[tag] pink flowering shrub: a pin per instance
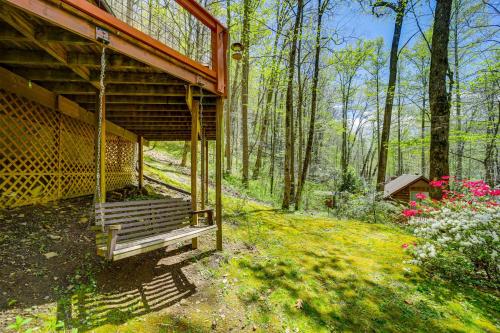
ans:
(458, 236)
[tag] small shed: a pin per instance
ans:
(405, 187)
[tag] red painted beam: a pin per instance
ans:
(108, 19)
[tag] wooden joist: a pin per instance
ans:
(63, 75)
(169, 137)
(152, 122)
(47, 34)
(118, 118)
(77, 88)
(9, 34)
(137, 78)
(50, 34)
(25, 27)
(157, 114)
(57, 75)
(115, 61)
(130, 99)
(22, 57)
(141, 107)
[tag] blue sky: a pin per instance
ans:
(353, 21)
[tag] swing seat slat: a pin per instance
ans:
(133, 227)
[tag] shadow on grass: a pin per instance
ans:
(128, 289)
(250, 212)
(336, 297)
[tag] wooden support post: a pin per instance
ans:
(140, 141)
(101, 162)
(202, 174)
(218, 171)
(194, 155)
(206, 171)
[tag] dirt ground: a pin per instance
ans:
(48, 261)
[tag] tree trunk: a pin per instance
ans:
(400, 106)
(343, 156)
(393, 68)
(274, 137)
(438, 96)
(289, 109)
(491, 147)
(300, 128)
(314, 97)
(423, 169)
(234, 106)
(244, 90)
(377, 88)
(458, 96)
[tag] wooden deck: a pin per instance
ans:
(150, 87)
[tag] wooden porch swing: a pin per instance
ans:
(129, 228)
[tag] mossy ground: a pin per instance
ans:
(317, 274)
(284, 272)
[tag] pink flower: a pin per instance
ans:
(420, 196)
(436, 183)
(410, 212)
(495, 192)
(445, 177)
(404, 246)
(413, 203)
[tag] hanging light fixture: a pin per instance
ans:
(237, 49)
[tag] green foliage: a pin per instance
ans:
(350, 182)
(19, 324)
(369, 207)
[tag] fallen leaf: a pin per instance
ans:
(49, 255)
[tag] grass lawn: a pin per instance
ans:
(317, 274)
(279, 272)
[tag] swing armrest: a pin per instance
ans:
(112, 234)
(209, 212)
(112, 237)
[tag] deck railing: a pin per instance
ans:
(169, 23)
(190, 33)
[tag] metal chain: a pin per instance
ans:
(98, 195)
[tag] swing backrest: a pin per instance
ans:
(142, 219)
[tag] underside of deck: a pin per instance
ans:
(150, 88)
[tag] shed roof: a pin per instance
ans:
(401, 182)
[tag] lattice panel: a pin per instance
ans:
(45, 155)
(120, 162)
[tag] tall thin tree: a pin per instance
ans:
(322, 5)
(244, 89)
(289, 108)
(399, 10)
